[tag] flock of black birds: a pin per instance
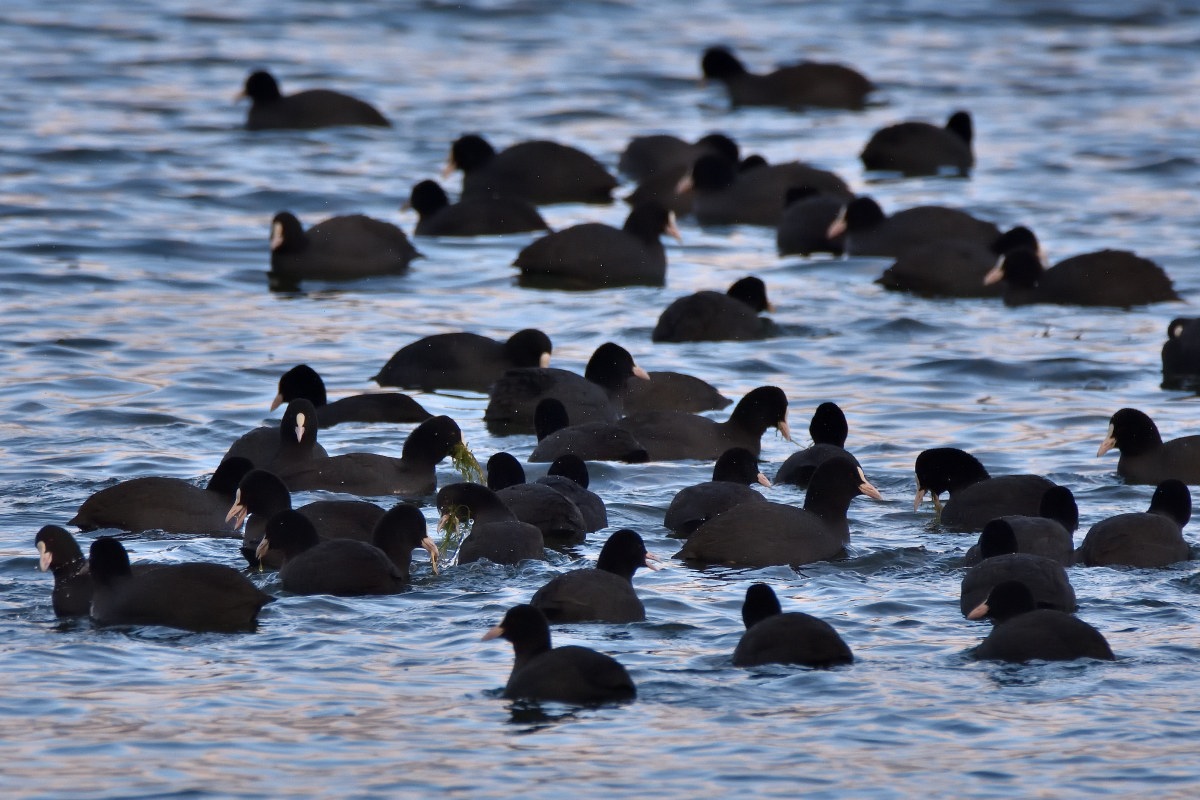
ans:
(618, 412)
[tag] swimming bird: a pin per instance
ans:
(919, 148)
(463, 360)
(312, 108)
(591, 397)
(868, 231)
(1044, 577)
(591, 441)
(1023, 632)
(262, 494)
(194, 596)
(411, 475)
(1115, 278)
(646, 157)
(336, 249)
(166, 504)
(479, 215)
(1181, 354)
(797, 86)
(954, 267)
(291, 443)
(572, 674)
(603, 593)
(773, 637)
(540, 172)
(1145, 457)
(568, 475)
(593, 255)
(674, 435)
(768, 534)
(725, 194)
(1048, 534)
(975, 496)
(1153, 538)
(659, 174)
(496, 533)
(828, 429)
(340, 567)
(803, 227)
(671, 391)
(399, 532)
(304, 381)
(709, 316)
(59, 553)
(550, 511)
(732, 475)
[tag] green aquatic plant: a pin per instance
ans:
(453, 527)
(465, 462)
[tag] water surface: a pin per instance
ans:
(139, 338)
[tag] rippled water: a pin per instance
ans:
(139, 338)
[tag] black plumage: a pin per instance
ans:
(194, 596)
(571, 674)
(775, 637)
(603, 593)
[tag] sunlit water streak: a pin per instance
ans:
(139, 338)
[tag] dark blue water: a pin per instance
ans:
(138, 337)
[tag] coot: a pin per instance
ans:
(674, 435)
(593, 255)
(548, 510)
(571, 674)
(1048, 534)
(591, 441)
(870, 232)
(411, 475)
(768, 534)
(1153, 538)
(464, 360)
(262, 494)
(591, 397)
(59, 553)
(671, 391)
(732, 475)
(1145, 457)
(480, 215)
(290, 443)
(803, 227)
(336, 249)
(828, 429)
(603, 593)
(709, 316)
(312, 108)
(953, 267)
(341, 567)
(797, 86)
(173, 505)
(975, 496)
(1044, 577)
(193, 596)
(496, 534)
(919, 148)
(539, 172)
(773, 637)
(1181, 354)
(724, 194)
(304, 381)
(1024, 632)
(1116, 278)
(569, 476)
